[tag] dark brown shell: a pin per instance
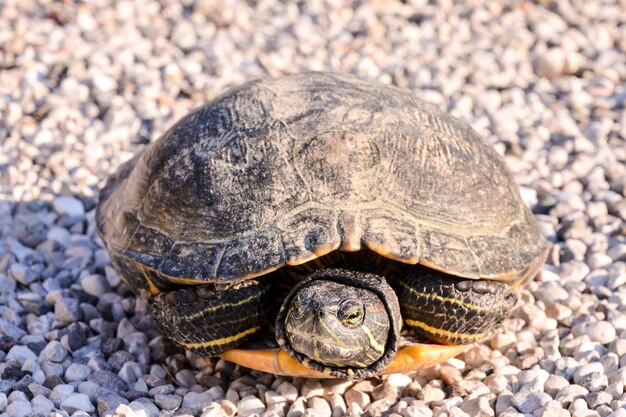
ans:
(285, 170)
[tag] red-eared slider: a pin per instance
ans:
(298, 225)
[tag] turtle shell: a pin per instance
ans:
(282, 171)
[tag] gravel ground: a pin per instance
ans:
(84, 85)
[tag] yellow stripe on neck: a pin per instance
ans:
(380, 348)
(441, 332)
(220, 306)
(444, 299)
(218, 342)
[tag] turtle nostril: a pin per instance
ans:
(317, 308)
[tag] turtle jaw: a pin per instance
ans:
(316, 329)
(334, 354)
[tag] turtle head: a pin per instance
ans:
(337, 325)
(341, 322)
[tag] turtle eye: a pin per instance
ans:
(351, 312)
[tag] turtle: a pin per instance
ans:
(321, 225)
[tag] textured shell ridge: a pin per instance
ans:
(281, 171)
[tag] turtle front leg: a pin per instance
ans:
(445, 309)
(211, 319)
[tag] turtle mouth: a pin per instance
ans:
(305, 343)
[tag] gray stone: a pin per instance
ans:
(11, 331)
(89, 388)
(162, 390)
(477, 407)
(20, 354)
(554, 384)
(7, 286)
(144, 407)
(615, 390)
(595, 382)
(600, 331)
(229, 408)
(496, 383)
(60, 393)
(67, 310)
(214, 410)
(272, 397)
(77, 372)
(68, 206)
(250, 405)
(108, 402)
(529, 401)
(59, 235)
(596, 399)
(168, 402)
(431, 393)
(297, 408)
(320, 406)
(95, 285)
(19, 409)
(130, 372)
(386, 391)
(569, 393)
(23, 274)
(353, 396)
(553, 412)
(311, 389)
(77, 401)
(197, 400)
(37, 389)
(217, 392)
(595, 368)
(185, 377)
(41, 405)
(423, 411)
(399, 380)
(108, 380)
(141, 385)
(17, 396)
(288, 391)
(337, 404)
(551, 63)
(53, 352)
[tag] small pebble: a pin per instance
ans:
(75, 402)
(359, 398)
(53, 352)
(77, 372)
(250, 405)
(600, 331)
(312, 389)
(20, 354)
(528, 402)
(67, 310)
(168, 402)
(477, 407)
(319, 406)
(19, 409)
(197, 400)
(288, 391)
(68, 206)
(42, 405)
